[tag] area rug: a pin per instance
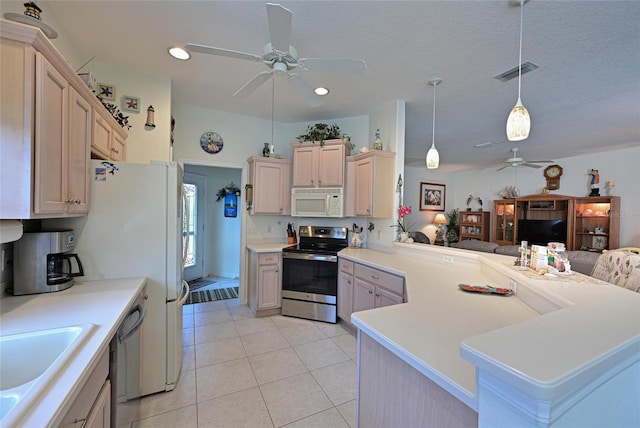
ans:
(200, 282)
(211, 295)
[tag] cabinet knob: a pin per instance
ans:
(320, 182)
(377, 295)
(374, 277)
(312, 182)
(370, 292)
(78, 201)
(114, 150)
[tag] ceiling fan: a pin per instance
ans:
(282, 59)
(515, 161)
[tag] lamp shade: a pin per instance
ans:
(518, 123)
(433, 158)
(440, 219)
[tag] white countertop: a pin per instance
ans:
(575, 322)
(102, 303)
(269, 247)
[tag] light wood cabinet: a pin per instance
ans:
(375, 288)
(475, 225)
(46, 128)
(92, 405)
(504, 223)
(265, 284)
(345, 289)
(597, 223)
(373, 184)
(108, 143)
(315, 166)
(270, 179)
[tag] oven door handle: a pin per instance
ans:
(311, 257)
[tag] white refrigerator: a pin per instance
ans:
(134, 229)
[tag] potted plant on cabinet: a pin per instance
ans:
(321, 132)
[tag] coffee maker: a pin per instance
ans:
(42, 262)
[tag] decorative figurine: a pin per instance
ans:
(594, 180)
(150, 119)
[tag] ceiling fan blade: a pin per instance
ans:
(530, 165)
(279, 27)
(502, 167)
(253, 84)
(333, 65)
(222, 52)
(541, 161)
(305, 89)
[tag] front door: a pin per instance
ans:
(193, 225)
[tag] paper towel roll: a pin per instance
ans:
(10, 230)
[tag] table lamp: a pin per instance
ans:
(440, 219)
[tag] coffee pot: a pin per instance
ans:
(43, 262)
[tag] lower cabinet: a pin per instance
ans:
(265, 284)
(345, 289)
(362, 287)
(92, 406)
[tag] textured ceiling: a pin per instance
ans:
(584, 98)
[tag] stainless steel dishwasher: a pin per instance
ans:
(124, 364)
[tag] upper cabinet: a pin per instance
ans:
(372, 187)
(46, 128)
(108, 143)
(270, 181)
(315, 166)
(597, 223)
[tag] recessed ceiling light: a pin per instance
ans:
(321, 91)
(179, 53)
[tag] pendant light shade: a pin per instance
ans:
(519, 121)
(433, 157)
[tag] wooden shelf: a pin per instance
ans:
(474, 225)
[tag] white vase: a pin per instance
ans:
(404, 236)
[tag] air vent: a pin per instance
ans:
(513, 73)
(485, 145)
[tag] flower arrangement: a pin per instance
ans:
(401, 226)
(227, 190)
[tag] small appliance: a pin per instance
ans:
(317, 202)
(42, 262)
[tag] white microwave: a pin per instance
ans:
(313, 202)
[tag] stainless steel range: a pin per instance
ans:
(310, 273)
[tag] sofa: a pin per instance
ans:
(581, 261)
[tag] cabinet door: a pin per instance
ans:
(101, 136)
(100, 414)
(331, 166)
(78, 153)
(363, 295)
(386, 298)
(364, 187)
(345, 296)
(51, 127)
(268, 188)
(118, 148)
(268, 287)
(305, 166)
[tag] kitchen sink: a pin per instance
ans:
(31, 362)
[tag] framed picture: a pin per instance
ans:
(432, 196)
(131, 104)
(106, 91)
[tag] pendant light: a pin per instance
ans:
(519, 122)
(433, 158)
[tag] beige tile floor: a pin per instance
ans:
(240, 371)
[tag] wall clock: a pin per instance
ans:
(211, 142)
(553, 173)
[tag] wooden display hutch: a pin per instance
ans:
(507, 212)
(597, 223)
(475, 225)
(593, 222)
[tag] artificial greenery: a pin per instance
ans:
(321, 132)
(453, 227)
(229, 189)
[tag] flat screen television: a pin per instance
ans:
(541, 232)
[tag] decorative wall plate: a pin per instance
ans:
(211, 142)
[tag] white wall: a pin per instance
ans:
(221, 234)
(622, 167)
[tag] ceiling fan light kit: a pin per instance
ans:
(519, 121)
(433, 157)
(282, 58)
(179, 53)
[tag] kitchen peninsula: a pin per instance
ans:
(559, 351)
